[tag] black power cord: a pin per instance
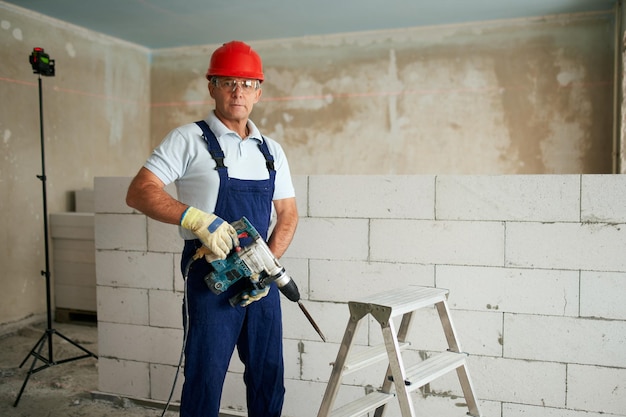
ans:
(185, 327)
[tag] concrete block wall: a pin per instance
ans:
(535, 266)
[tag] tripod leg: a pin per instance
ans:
(36, 356)
(38, 346)
(75, 344)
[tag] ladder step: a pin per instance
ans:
(432, 368)
(369, 356)
(363, 405)
(404, 300)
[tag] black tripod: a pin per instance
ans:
(43, 65)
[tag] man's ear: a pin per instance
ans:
(258, 95)
(211, 87)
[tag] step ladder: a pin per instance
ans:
(384, 307)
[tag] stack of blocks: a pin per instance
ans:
(535, 266)
(73, 254)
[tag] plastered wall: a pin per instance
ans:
(534, 265)
(96, 122)
(513, 97)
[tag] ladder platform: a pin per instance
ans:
(402, 300)
(432, 368)
(369, 356)
(363, 405)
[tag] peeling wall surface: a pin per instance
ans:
(96, 122)
(534, 265)
(512, 97)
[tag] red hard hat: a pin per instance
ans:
(235, 59)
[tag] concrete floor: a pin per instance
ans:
(66, 389)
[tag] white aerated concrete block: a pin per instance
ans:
(135, 269)
(522, 410)
(177, 274)
(342, 281)
(162, 379)
(84, 200)
(603, 198)
(236, 365)
(298, 270)
(438, 242)
(123, 377)
(301, 187)
(296, 325)
(75, 226)
(121, 232)
(511, 290)
(139, 343)
(73, 258)
(75, 266)
(479, 333)
(75, 297)
(115, 341)
(234, 394)
(324, 238)
(303, 398)
(522, 197)
(163, 237)
(602, 295)
(446, 405)
(558, 339)
(517, 381)
(166, 309)
(74, 251)
(367, 196)
(596, 389)
(597, 247)
(308, 359)
(110, 195)
(123, 305)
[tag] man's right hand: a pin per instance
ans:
(216, 234)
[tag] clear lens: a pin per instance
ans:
(229, 84)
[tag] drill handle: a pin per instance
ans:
(235, 300)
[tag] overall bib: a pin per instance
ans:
(215, 327)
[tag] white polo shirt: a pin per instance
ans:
(183, 157)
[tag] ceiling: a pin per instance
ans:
(157, 24)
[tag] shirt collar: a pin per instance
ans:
(220, 129)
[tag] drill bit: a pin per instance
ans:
(308, 316)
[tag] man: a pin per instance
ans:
(224, 169)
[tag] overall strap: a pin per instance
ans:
(213, 145)
(269, 159)
(218, 155)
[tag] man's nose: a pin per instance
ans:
(237, 85)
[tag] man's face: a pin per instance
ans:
(234, 97)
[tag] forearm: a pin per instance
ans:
(146, 194)
(285, 228)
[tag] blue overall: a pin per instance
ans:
(215, 327)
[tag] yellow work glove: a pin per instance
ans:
(214, 233)
(255, 294)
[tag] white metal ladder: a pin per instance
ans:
(384, 307)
